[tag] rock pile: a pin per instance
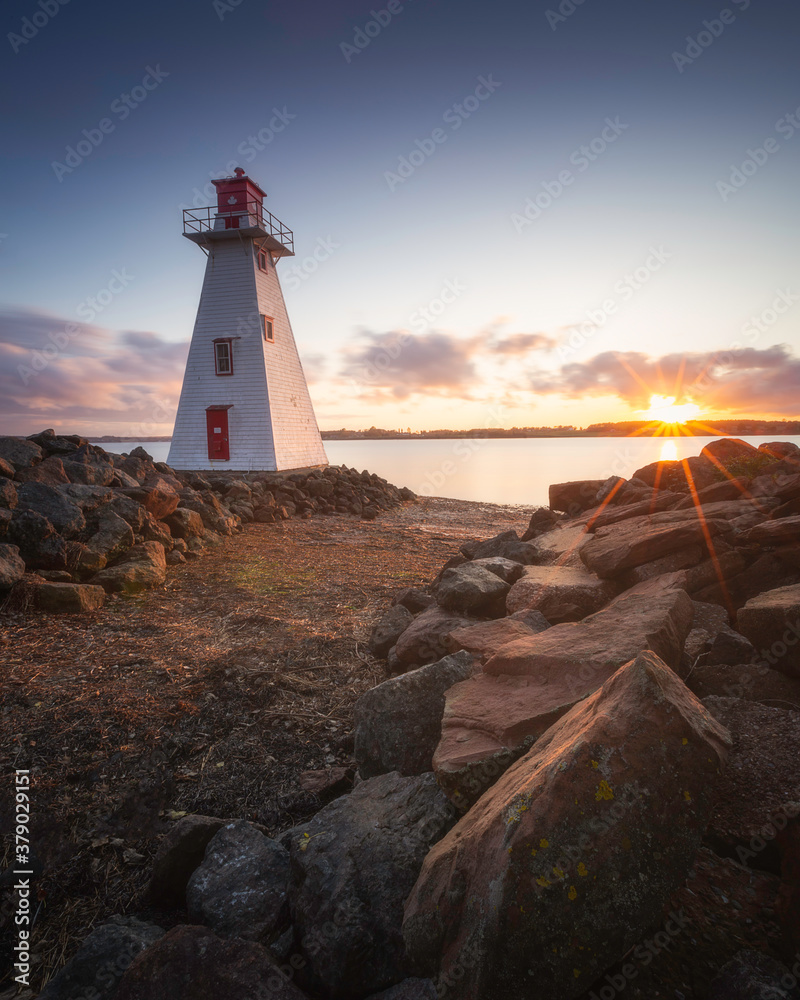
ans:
(77, 522)
(545, 808)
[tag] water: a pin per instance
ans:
(505, 471)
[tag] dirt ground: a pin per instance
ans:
(210, 695)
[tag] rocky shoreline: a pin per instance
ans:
(579, 779)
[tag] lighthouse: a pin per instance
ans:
(244, 404)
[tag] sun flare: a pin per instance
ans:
(663, 408)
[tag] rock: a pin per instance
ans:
(353, 866)
(685, 558)
(728, 489)
(652, 503)
(560, 593)
(240, 888)
(185, 523)
(673, 475)
(754, 976)
(771, 622)
(40, 546)
(727, 450)
(142, 567)
(156, 531)
(96, 969)
(88, 473)
(49, 501)
(541, 882)
(649, 616)
(762, 780)
(60, 597)
(389, 629)
(574, 498)
(326, 783)
(425, 640)
(542, 519)
(471, 589)
(19, 452)
(560, 546)
(506, 569)
(507, 545)
(751, 681)
(780, 449)
(398, 723)
(409, 989)
(140, 453)
(414, 599)
(783, 531)
(622, 546)
(111, 538)
(8, 494)
(487, 638)
(728, 646)
(12, 566)
(190, 963)
(50, 471)
(55, 444)
(155, 496)
(181, 851)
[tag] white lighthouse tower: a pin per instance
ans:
(244, 403)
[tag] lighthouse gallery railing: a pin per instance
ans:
(252, 215)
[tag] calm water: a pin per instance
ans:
(508, 471)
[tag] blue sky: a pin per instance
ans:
(574, 235)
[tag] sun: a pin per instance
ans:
(663, 408)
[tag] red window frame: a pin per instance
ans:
(217, 344)
(268, 329)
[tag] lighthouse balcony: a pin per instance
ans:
(252, 220)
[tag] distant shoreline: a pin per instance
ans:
(718, 428)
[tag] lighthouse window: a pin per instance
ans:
(267, 329)
(262, 260)
(223, 357)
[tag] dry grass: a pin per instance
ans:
(209, 695)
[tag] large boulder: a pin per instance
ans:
(783, 531)
(50, 471)
(190, 963)
(729, 451)
(771, 621)
(241, 887)
(561, 546)
(398, 723)
(506, 545)
(560, 593)
(471, 589)
(425, 639)
(69, 597)
(39, 544)
(552, 875)
(185, 523)
(112, 536)
(156, 496)
(49, 501)
(653, 615)
(487, 638)
(751, 681)
(575, 498)
(8, 493)
(19, 452)
(12, 566)
(680, 476)
(353, 866)
(99, 964)
(142, 567)
(619, 547)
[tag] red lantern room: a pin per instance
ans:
(238, 196)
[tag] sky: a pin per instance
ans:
(509, 214)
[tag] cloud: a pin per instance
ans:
(741, 380)
(522, 343)
(54, 372)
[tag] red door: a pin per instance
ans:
(217, 424)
